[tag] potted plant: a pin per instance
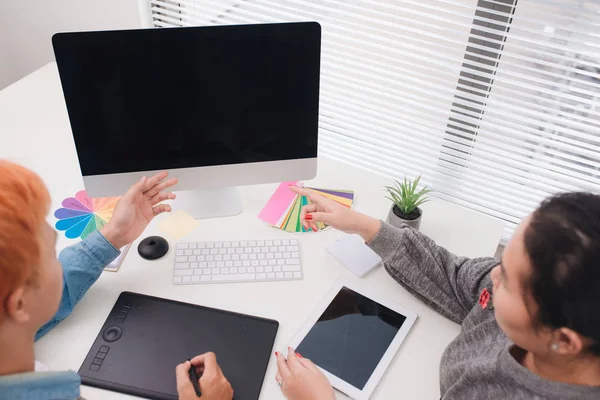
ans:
(406, 201)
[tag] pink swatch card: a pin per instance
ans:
(278, 203)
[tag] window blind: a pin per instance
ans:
(496, 103)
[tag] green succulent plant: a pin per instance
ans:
(405, 195)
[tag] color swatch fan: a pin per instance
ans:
(81, 215)
(284, 207)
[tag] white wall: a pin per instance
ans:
(27, 26)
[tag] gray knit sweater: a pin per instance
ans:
(477, 364)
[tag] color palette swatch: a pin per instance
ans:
(284, 207)
(81, 215)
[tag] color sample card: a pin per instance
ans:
(284, 207)
(81, 215)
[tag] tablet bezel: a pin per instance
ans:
(386, 359)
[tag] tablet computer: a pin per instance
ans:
(145, 337)
(352, 336)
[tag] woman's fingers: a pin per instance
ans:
(282, 367)
(154, 179)
(161, 208)
(310, 208)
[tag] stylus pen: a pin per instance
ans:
(194, 379)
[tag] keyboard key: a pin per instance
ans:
(289, 275)
(235, 244)
(215, 271)
(197, 252)
(281, 261)
(285, 242)
(226, 257)
(270, 275)
(254, 263)
(218, 257)
(250, 270)
(290, 268)
(188, 252)
(293, 242)
(246, 263)
(205, 252)
(224, 271)
(193, 245)
(260, 243)
(243, 256)
(278, 275)
(206, 271)
(292, 261)
(182, 272)
(179, 253)
(269, 243)
(233, 270)
(229, 263)
(187, 279)
(201, 258)
(230, 251)
(252, 243)
(192, 258)
(238, 277)
(263, 262)
(248, 250)
(261, 256)
(287, 254)
(210, 245)
(198, 271)
(227, 244)
(219, 245)
(277, 268)
(195, 279)
(235, 257)
(270, 256)
(278, 256)
(205, 278)
(281, 249)
(298, 275)
(214, 251)
(295, 254)
(242, 270)
(264, 250)
(244, 244)
(202, 265)
(182, 245)
(292, 248)
(210, 258)
(260, 269)
(261, 276)
(177, 279)
(273, 249)
(220, 264)
(181, 259)
(277, 242)
(256, 250)
(252, 256)
(222, 251)
(268, 269)
(239, 250)
(272, 262)
(201, 245)
(182, 265)
(237, 263)
(212, 264)
(194, 265)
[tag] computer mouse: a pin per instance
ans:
(153, 247)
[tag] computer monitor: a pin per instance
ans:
(218, 107)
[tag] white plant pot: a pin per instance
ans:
(397, 221)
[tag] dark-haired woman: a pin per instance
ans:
(530, 323)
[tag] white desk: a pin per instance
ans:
(35, 131)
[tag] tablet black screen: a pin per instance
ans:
(351, 336)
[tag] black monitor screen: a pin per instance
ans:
(351, 337)
(158, 99)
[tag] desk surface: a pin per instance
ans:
(35, 131)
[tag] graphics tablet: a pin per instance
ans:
(144, 338)
(352, 336)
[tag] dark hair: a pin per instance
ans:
(563, 244)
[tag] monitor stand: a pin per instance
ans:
(209, 203)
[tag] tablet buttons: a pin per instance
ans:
(99, 359)
(112, 334)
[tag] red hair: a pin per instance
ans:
(24, 203)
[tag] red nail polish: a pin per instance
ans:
(308, 217)
(298, 354)
(276, 353)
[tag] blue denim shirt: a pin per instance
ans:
(82, 264)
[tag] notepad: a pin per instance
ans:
(178, 224)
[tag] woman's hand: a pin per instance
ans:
(213, 384)
(300, 379)
(336, 215)
(136, 209)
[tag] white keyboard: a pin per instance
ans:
(237, 261)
